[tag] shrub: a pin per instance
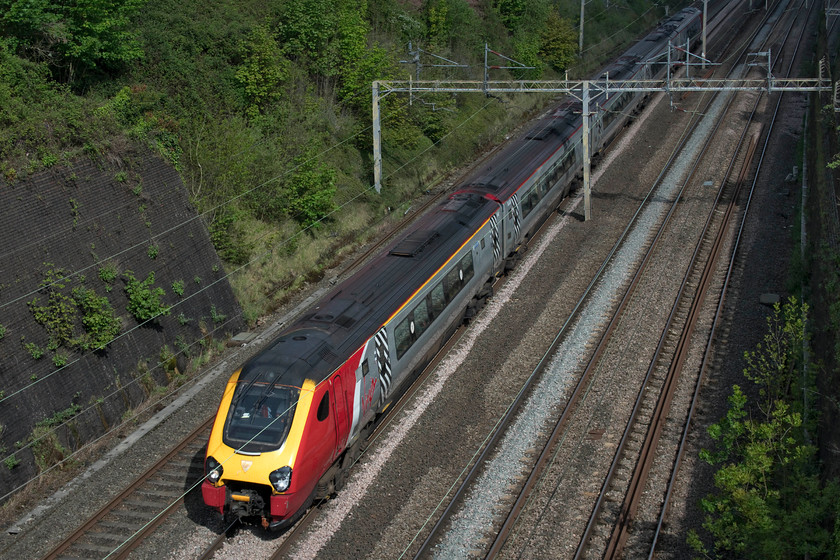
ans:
(178, 287)
(98, 317)
(57, 315)
(144, 300)
(108, 273)
(34, 350)
(60, 359)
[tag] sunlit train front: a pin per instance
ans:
(294, 417)
(275, 427)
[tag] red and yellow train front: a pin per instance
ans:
(268, 448)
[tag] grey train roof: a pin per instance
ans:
(314, 346)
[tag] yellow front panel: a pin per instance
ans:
(256, 468)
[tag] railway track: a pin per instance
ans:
(651, 408)
(120, 550)
(287, 542)
(121, 524)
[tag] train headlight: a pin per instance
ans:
(213, 469)
(281, 478)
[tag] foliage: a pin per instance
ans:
(60, 359)
(510, 12)
(57, 315)
(144, 300)
(776, 364)
(558, 42)
(73, 36)
(438, 25)
(100, 322)
(262, 71)
(108, 273)
(29, 98)
(216, 316)
(310, 193)
(138, 108)
(34, 350)
(46, 446)
(526, 51)
(226, 237)
(178, 288)
(769, 501)
(452, 26)
(308, 31)
(2, 331)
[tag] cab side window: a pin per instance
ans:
(324, 407)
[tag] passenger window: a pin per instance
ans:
(467, 268)
(365, 368)
(421, 318)
(452, 284)
(324, 407)
(402, 337)
(438, 300)
(526, 205)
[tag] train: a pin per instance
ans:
(294, 417)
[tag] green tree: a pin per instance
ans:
(558, 42)
(438, 25)
(262, 71)
(776, 363)
(526, 47)
(73, 36)
(510, 12)
(306, 31)
(310, 192)
(769, 500)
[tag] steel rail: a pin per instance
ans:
(639, 401)
(504, 422)
(718, 312)
(639, 479)
(619, 535)
(535, 474)
(135, 538)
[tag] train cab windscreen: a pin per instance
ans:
(260, 414)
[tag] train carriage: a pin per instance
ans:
(292, 419)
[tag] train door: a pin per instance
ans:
(342, 419)
(382, 355)
(496, 236)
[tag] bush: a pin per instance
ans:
(98, 317)
(144, 300)
(58, 314)
(74, 37)
(770, 502)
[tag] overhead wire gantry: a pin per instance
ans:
(588, 91)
